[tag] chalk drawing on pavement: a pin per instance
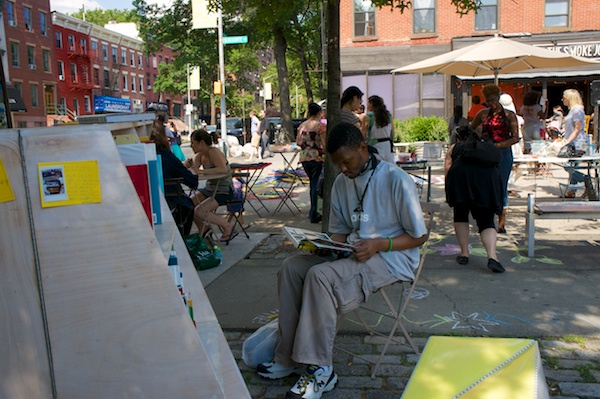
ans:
(267, 317)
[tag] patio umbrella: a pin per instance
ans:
(493, 56)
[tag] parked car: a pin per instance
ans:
(275, 124)
(235, 127)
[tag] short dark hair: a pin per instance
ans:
(350, 93)
(344, 135)
(476, 99)
(313, 109)
(161, 118)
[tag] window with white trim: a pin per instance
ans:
(43, 24)
(10, 13)
(58, 35)
(14, 54)
(27, 19)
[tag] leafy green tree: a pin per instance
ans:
(102, 17)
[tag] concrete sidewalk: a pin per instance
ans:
(553, 297)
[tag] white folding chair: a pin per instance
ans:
(393, 311)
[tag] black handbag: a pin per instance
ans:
(481, 151)
(569, 151)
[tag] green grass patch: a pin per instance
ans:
(575, 339)
(585, 372)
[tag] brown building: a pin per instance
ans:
(29, 59)
(375, 41)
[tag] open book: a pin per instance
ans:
(310, 240)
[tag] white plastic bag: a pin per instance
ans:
(260, 346)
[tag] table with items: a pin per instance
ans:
(255, 171)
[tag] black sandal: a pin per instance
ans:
(228, 238)
(462, 260)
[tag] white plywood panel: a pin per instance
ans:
(24, 364)
(209, 330)
(117, 324)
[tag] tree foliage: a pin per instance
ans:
(102, 17)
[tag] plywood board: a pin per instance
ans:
(117, 324)
(24, 368)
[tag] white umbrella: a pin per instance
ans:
(492, 56)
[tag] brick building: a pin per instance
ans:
(375, 41)
(29, 58)
(58, 67)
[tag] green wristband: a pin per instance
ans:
(390, 248)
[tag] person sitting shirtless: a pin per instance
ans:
(375, 207)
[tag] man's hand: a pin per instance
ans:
(366, 248)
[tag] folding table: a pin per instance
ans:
(288, 163)
(423, 165)
(255, 170)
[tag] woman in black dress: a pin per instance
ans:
(475, 188)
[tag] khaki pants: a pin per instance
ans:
(312, 294)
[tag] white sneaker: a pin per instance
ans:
(275, 371)
(313, 383)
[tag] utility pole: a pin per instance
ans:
(222, 78)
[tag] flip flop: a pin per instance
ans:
(228, 238)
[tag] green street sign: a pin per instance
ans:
(235, 39)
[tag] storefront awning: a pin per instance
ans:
(15, 101)
(111, 104)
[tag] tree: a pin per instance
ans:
(102, 17)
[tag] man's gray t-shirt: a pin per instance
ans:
(390, 208)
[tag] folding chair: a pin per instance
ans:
(235, 206)
(176, 197)
(396, 313)
(285, 190)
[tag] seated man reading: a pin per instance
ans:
(375, 207)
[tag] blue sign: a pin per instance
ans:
(111, 104)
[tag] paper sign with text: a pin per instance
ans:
(69, 183)
(6, 192)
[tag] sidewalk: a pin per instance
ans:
(553, 297)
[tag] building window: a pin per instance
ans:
(94, 48)
(71, 40)
(33, 89)
(31, 56)
(76, 106)
(557, 13)
(105, 52)
(116, 80)
(141, 81)
(133, 83)
(27, 18)
(364, 18)
(58, 39)
(73, 73)
(114, 55)
(124, 82)
(63, 104)
(486, 17)
(85, 74)
(140, 66)
(123, 56)
(132, 60)
(148, 87)
(83, 44)
(106, 79)
(14, 54)
(19, 87)
(424, 16)
(154, 63)
(97, 76)
(87, 104)
(10, 13)
(43, 25)
(46, 59)
(61, 70)
(147, 61)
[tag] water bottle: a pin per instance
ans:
(218, 253)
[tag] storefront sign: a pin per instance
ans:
(111, 104)
(584, 50)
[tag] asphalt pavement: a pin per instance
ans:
(553, 298)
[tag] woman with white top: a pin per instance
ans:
(382, 129)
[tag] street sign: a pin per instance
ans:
(235, 39)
